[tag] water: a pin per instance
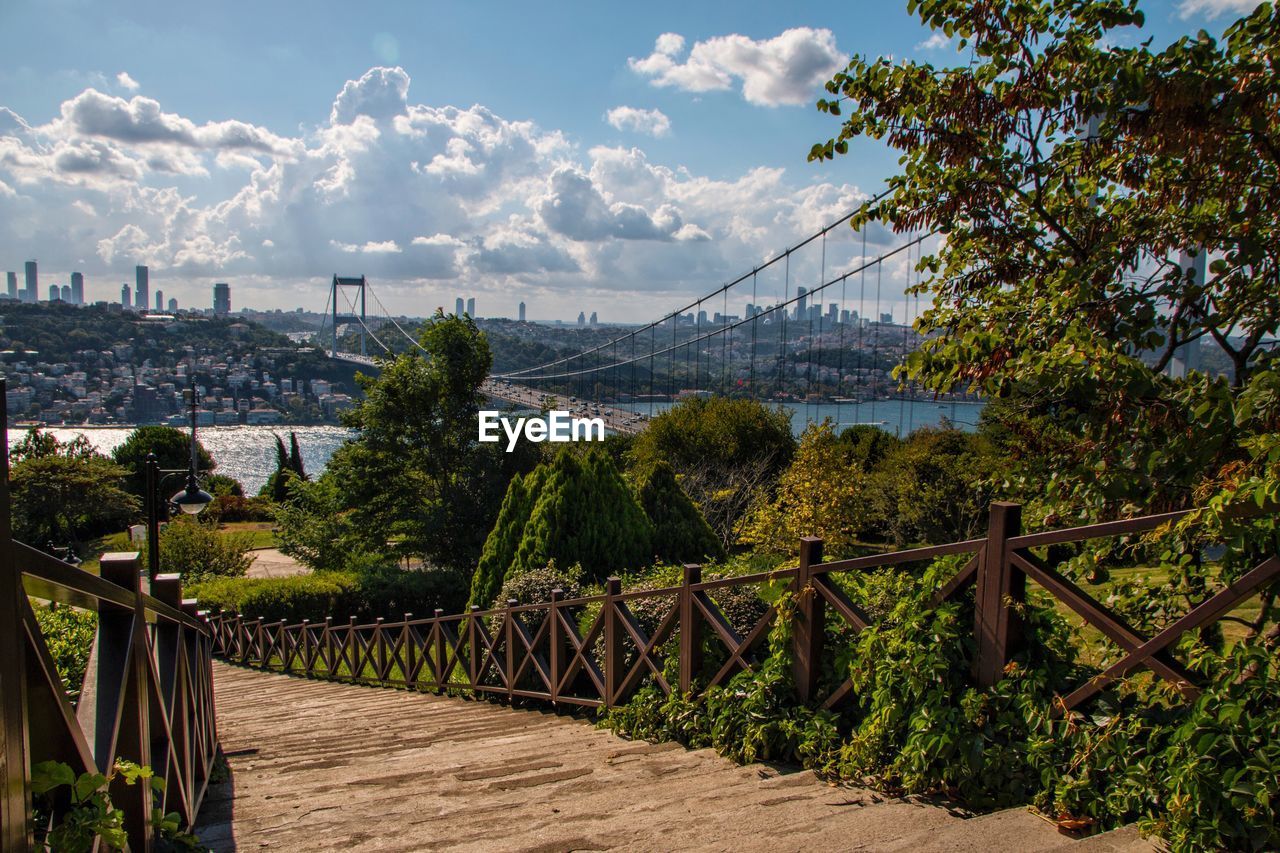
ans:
(900, 417)
(247, 453)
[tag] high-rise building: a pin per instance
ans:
(64, 293)
(33, 283)
(802, 313)
(13, 285)
(222, 298)
(521, 308)
(142, 292)
(471, 307)
(458, 307)
(582, 319)
(702, 318)
(594, 320)
(125, 301)
(159, 300)
(173, 305)
(77, 288)
(53, 293)
(886, 318)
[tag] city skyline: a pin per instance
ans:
(666, 157)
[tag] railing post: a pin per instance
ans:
(305, 637)
(326, 641)
(16, 825)
(509, 640)
(473, 647)
(690, 630)
(409, 651)
(996, 629)
(612, 641)
(356, 664)
(556, 640)
(808, 624)
(380, 650)
(121, 669)
(441, 650)
(261, 640)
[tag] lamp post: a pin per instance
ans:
(190, 500)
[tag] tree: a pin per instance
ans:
(822, 494)
(724, 453)
(1069, 172)
(199, 552)
(64, 498)
(172, 448)
(416, 476)
(680, 533)
(576, 509)
(288, 468)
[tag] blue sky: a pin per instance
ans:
(611, 157)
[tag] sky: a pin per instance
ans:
(606, 157)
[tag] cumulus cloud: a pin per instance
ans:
(126, 82)
(1213, 8)
(370, 248)
(652, 122)
(414, 195)
(381, 93)
(937, 41)
(786, 69)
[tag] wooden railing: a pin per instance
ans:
(537, 650)
(147, 695)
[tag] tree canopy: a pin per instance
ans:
(171, 446)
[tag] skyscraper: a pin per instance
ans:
(521, 308)
(159, 300)
(458, 308)
(125, 301)
(54, 296)
(582, 319)
(801, 312)
(594, 320)
(471, 307)
(173, 305)
(64, 293)
(222, 299)
(142, 293)
(13, 285)
(77, 288)
(33, 283)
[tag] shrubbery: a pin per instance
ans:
(388, 592)
(68, 634)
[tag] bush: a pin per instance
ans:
(228, 508)
(389, 592)
(69, 635)
(196, 551)
(680, 533)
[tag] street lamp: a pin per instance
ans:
(190, 500)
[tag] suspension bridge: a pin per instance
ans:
(819, 327)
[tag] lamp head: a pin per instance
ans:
(192, 499)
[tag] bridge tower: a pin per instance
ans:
(344, 284)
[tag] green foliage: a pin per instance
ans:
(576, 509)
(68, 635)
(680, 533)
(198, 551)
(223, 486)
(724, 452)
(172, 448)
(229, 508)
(387, 591)
(82, 816)
(416, 476)
(66, 492)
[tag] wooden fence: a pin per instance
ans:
(593, 651)
(147, 695)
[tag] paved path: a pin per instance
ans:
(270, 563)
(324, 766)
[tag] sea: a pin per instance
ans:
(248, 453)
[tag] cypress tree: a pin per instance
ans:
(680, 532)
(295, 456)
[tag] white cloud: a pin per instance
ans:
(370, 248)
(789, 68)
(415, 196)
(653, 122)
(1213, 8)
(937, 41)
(126, 82)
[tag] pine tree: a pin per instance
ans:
(295, 457)
(680, 533)
(575, 510)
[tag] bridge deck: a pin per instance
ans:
(325, 766)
